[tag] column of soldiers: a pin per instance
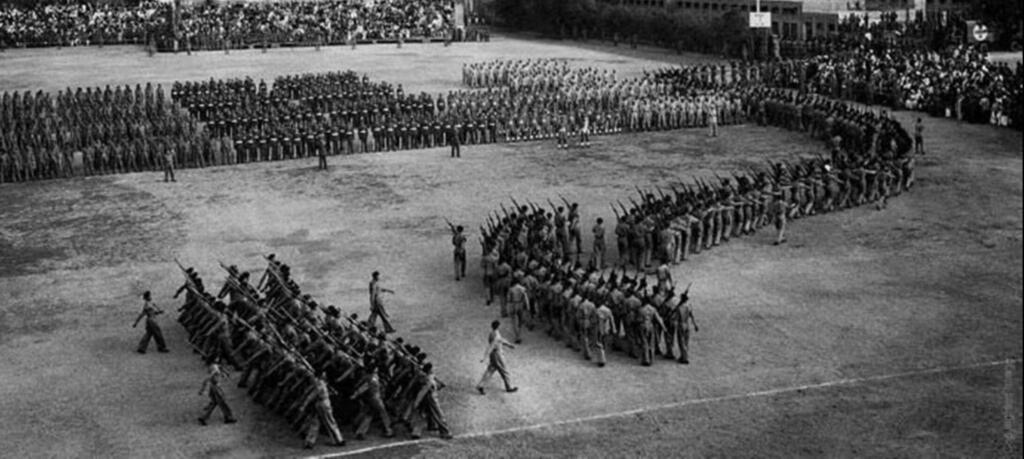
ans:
(122, 130)
(338, 112)
(550, 99)
(532, 264)
(343, 113)
(109, 130)
(529, 264)
(310, 363)
(869, 162)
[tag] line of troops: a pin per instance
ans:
(309, 363)
(608, 104)
(528, 264)
(106, 130)
(694, 217)
(528, 253)
(528, 75)
(339, 113)
(532, 74)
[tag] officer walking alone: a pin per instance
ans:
(496, 360)
(150, 311)
(377, 304)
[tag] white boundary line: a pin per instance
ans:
(1011, 423)
(698, 401)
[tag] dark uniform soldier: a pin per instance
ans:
(169, 164)
(455, 141)
(680, 318)
(459, 243)
(597, 257)
(321, 151)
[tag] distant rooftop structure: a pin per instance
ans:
(824, 6)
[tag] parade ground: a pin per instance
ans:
(891, 333)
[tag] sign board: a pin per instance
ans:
(979, 32)
(760, 20)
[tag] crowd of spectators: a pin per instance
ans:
(204, 25)
(956, 82)
(213, 26)
(887, 33)
(78, 24)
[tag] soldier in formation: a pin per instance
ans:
(309, 363)
(96, 131)
(588, 308)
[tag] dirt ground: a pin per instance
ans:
(934, 281)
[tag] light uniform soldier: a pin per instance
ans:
(211, 387)
(496, 360)
(650, 323)
(605, 331)
(712, 110)
(664, 277)
(518, 304)
(322, 416)
(377, 308)
(149, 311)
(373, 404)
(585, 318)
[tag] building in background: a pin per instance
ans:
(806, 19)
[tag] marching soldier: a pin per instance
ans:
(597, 257)
(429, 406)
(211, 387)
(518, 304)
(377, 304)
(373, 404)
(150, 311)
(496, 360)
(680, 319)
(459, 244)
(650, 323)
(605, 330)
(322, 416)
